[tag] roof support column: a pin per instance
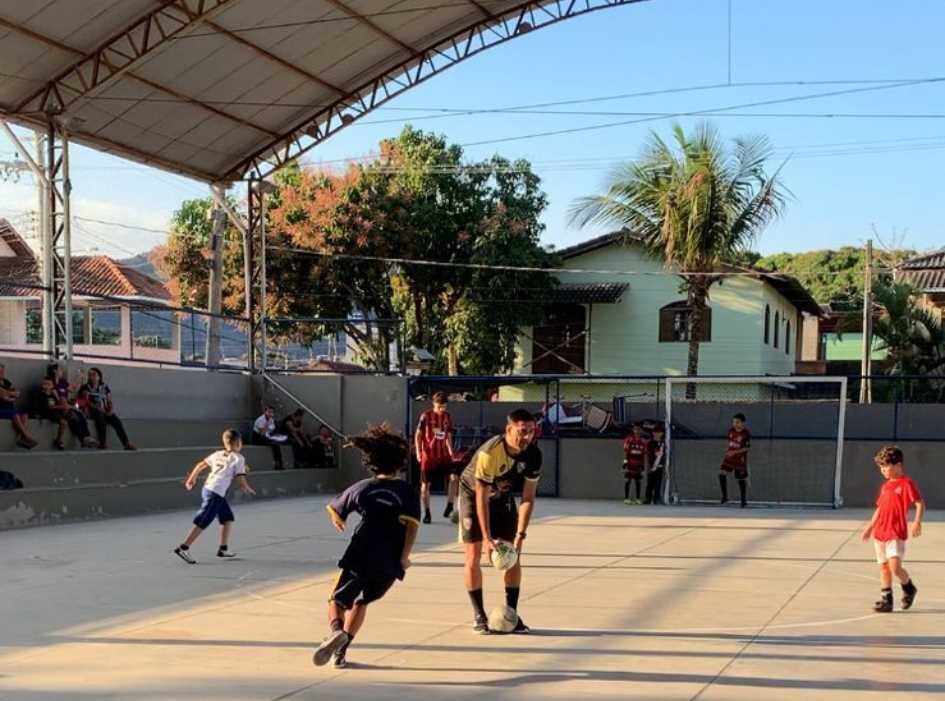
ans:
(212, 356)
(57, 239)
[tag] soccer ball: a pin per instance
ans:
(503, 619)
(504, 556)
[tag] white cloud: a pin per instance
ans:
(18, 204)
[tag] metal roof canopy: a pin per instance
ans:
(224, 90)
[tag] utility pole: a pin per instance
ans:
(215, 294)
(866, 366)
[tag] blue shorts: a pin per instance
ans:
(212, 507)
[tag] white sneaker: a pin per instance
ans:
(329, 646)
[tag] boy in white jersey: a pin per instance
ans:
(225, 466)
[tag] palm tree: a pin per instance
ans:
(693, 203)
(912, 337)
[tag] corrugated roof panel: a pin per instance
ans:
(315, 37)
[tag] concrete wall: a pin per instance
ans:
(349, 403)
(146, 393)
(794, 470)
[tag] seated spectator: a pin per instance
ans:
(293, 427)
(57, 410)
(264, 433)
(8, 396)
(323, 448)
(96, 403)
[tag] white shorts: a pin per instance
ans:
(886, 549)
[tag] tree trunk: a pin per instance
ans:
(698, 292)
(452, 360)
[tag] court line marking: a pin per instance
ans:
(773, 617)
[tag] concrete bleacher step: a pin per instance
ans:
(62, 486)
(50, 505)
(144, 433)
(73, 468)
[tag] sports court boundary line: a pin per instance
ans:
(768, 623)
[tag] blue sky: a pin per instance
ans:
(847, 175)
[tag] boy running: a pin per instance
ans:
(434, 444)
(502, 466)
(736, 459)
(656, 452)
(888, 527)
(635, 454)
(225, 466)
(379, 551)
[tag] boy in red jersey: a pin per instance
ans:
(434, 444)
(888, 527)
(736, 459)
(635, 458)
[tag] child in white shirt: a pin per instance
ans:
(225, 466)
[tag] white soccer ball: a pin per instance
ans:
(504, 556)
(503, 619)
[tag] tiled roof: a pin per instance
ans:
(925, 272)
(13, 239)
(588, 293)
(92, 276)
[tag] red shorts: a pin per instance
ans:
(633, 470)
(429, 465)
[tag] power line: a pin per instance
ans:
(522, 269)
(707, 112)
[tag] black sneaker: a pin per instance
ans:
(481, 625)
(340, 660)
(723, 500)
(184, 554)
(223, 552)
(427, 518)
(520, 628)
(448, 510)
(334, 641)
(884, 605)
(908, 596)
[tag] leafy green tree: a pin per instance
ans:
(185, 259)
(833, 277)
(696, 204)
(420, 201)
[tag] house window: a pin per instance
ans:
(106, 326)
(79, 326)
(153, 329)
(34, 326)
(787, 339)
(777, 328)
(676, 323)
(767, 324)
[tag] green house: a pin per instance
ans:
(602, 323)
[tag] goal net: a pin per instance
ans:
(796, 448)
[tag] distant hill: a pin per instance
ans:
(143, 264)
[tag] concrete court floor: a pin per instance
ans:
(626, 602)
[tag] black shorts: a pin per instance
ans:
(351, 588)
(503, 517)
(740, 472)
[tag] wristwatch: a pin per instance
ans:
(521, 534)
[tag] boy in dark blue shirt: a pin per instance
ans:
(379, 551)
